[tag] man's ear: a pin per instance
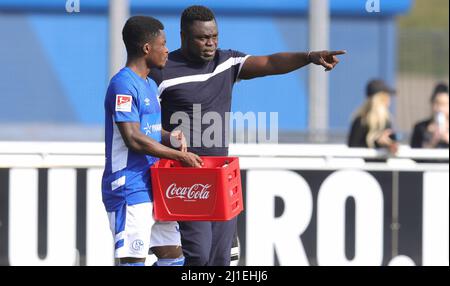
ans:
(146, 49)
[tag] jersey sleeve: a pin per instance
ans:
(123, 102)
(238, 61)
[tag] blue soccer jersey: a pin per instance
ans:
(126, 178)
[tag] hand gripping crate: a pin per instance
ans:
(210, 193)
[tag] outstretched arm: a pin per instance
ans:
(281, 63)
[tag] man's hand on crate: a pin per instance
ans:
(189, 159)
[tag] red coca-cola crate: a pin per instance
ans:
(210, 193)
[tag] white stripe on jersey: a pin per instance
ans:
(119, 236)
(119, 151)
(202, 77)
(240, 67)
(118, 183)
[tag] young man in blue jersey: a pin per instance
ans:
(133, 142)
(200, 73)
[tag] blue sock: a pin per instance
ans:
(170, 262)
(132, 264)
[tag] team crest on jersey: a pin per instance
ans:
(123, 102)
(138, 244)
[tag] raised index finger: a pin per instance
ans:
(334, 53)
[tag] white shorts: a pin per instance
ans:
(135, 231)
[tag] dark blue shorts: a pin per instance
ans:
(207, 243)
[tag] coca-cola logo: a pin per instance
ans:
(192, 193)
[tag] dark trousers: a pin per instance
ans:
(207, 243)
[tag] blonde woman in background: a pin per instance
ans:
(372, 127)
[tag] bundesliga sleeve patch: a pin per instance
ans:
(123, 102)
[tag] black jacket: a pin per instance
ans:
(421, 135)
(358, 134)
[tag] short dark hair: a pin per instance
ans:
(139, 30)
(195, 13)
(439, 88)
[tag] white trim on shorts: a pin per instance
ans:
(137, 232)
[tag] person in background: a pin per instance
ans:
(372, 128)
(433, 132)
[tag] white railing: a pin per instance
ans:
(91, 154)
